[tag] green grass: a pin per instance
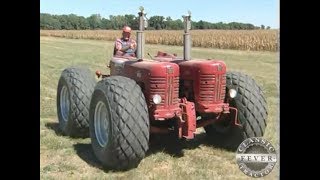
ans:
(66, 158)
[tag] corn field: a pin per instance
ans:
(252, 40)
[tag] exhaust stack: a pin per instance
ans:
(140, 35)
(186, 37)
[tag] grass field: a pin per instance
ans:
(66, 158)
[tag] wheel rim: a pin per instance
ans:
(101, 124)
(64, 103)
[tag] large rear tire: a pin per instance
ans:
(252, 112)
(119, 123)
(74, 92)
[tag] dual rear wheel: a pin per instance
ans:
(113, 112)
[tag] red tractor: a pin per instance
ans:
(162, 95)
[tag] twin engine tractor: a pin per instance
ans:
(164, 94)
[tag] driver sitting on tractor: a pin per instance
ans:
(125, 46)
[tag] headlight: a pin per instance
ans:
(157, 99)
(232, 93)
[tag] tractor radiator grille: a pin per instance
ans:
(212, 88)
(166, 87)
(221, 92)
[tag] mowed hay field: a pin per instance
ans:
(254, 40)
(62, 157)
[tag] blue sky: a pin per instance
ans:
(256, 12)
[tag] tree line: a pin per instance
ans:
(95, 21)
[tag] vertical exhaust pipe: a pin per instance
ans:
(140, 35)
(186, 37)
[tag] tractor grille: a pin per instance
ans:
(221, 89)
(166, 87)
(173, 90)
(212, 88)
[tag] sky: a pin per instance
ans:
(256, 12)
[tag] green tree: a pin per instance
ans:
(83, 23)
(117, 22)
(74, 21)
(94, 21)
(65, 23)
(48, 21)
(157, 22)
(105, 24)
(131, 21)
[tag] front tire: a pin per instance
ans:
(252, 112)
(119, 123)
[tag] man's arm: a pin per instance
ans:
(118, 48)
(133, 45)
(124, 49)
(118, 45)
